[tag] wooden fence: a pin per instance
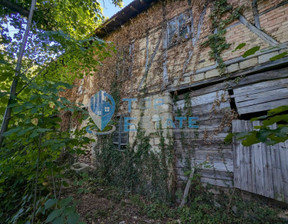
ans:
(260, 169)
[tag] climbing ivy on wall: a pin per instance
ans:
(222, 15)
(138, 168)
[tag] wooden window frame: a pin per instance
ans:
(177, 37)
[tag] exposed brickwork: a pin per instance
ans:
(275, 23)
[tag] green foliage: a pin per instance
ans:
(36, 151)
(77, 18)
(135, 169)
(63, 212)
(239, 47)
(138, 168)
(264, 133)
(251, 51)
(33, 147)
(279, 56)
(217, 41)
(205, 207)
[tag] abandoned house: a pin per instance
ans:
(179, 58)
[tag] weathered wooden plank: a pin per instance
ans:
(262, 106)
(236, 124)
(253, 169)
(208, 98)
(218, 166)
(217, 182)
(204, 99)
(278, 184)
(285, 152)
(213, 155)
(269, 98)
(269, 177)
(266, 92)
(273, 168)
(202, 109)
(214, 174)
(284, 169)
(211, 174)
(260, 77)
(256, 88)
(256, 14)
(265, 172)
(259, 170)
(247, 160)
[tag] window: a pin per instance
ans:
(179, 28)
(120, 137)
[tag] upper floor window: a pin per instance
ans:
(179, 28)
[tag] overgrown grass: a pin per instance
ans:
(201, 207)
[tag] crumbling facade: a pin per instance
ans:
(181, 53)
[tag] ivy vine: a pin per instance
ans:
(217, 41)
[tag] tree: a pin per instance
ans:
(49, 49)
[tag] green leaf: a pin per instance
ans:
(24, 131)
(276, 119)
(251, 51)
(279, 56)
(187, 172)
(53, 215)
(11, 131)
(277, 110)
(65, 202)
(50, 203)
(258, 118)
(59, 220)
(3, 94)
(228, 138)
(239, 47)
(73, 218)
(250, 139)
(42, 130)
(65, 184)
(263, 134)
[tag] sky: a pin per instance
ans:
(109, 9)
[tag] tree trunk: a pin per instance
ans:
(7, 114)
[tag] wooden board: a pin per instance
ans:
(190, 144)
(261, 96)
(260, 169)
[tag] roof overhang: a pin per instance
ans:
(123, 16)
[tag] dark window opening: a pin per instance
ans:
(232, 100)
(120, 137)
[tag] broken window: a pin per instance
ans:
(179, 28)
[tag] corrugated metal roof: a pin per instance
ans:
(123, 16)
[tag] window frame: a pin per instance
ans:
(187, 24)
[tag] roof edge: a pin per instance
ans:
(123, 16)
